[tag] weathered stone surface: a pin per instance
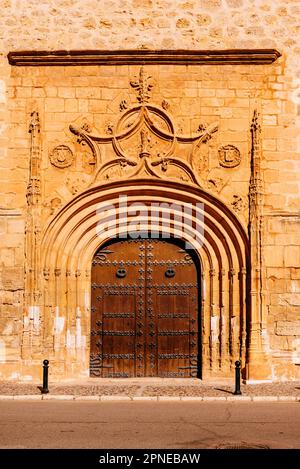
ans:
(12, 278)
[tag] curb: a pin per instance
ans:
(212, 398)
(71, 397)
(238, 398)
(265, 398)
(86, 398)
(192, 398)
(288, 398)
(58, 397)
(115, 398)
(168, 398)
(144, 398)
(27, 397)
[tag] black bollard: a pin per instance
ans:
(237, 391)
(44, 389)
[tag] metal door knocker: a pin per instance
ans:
(121, 273)
(170, 273)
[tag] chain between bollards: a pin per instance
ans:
(237, 390)
(45, 389)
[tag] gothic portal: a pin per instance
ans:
(111, 149)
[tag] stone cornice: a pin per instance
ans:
(144, 56)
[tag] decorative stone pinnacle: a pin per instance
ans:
(255, 127)
(143, 86)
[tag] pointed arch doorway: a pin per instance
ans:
(145, 310)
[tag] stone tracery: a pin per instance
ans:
(145, 141)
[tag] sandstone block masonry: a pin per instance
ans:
(37, 107)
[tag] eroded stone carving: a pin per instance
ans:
(165, 105)
(86, 126)
(229, 156)
(216, 180)
(109, 127)
(238, 204)
(123, 105)
(202, 127)
(145, 143)
(61, 156)
(54, 204)
(76, 185)
(51, 204)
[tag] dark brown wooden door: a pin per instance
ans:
(144, 311)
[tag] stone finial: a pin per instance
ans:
(143, 86)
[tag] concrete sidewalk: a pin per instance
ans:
(151, 389)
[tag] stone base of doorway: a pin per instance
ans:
(59, 397)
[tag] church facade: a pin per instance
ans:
(150, 211)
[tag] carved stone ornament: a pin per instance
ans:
(238, 204)
(54, 204)
(229, 156)
(61, 156)
(145, 142)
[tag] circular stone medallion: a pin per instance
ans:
(61, 156)
(229, 156)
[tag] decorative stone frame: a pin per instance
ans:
(71, 240)
(59, 256)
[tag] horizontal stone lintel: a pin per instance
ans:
(144, 56)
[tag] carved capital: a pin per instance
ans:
(46, 273)
(36, 296)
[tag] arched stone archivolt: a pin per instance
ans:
(76, 233)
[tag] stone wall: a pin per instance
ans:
(227, 94)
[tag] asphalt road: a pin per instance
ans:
(148, 425)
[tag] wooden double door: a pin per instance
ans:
(144, 314)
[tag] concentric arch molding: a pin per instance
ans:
(144, 56)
